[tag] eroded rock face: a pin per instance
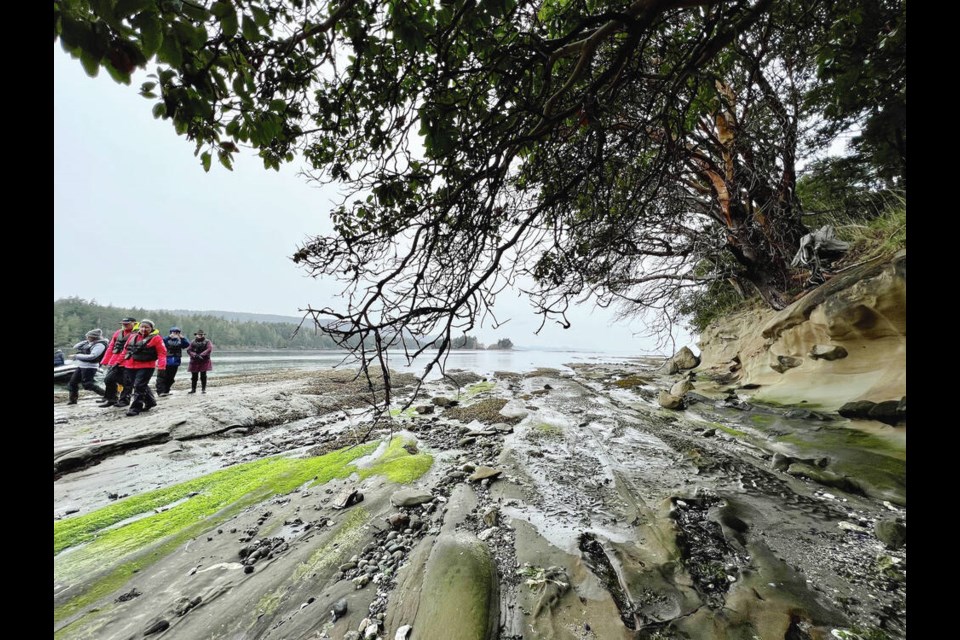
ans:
(852, 328)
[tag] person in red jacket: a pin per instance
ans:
(145, 352)
(113, 361)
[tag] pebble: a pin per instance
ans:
(339, 609)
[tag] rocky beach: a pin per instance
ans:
(547, 504)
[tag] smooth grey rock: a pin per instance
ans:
(684, 359)
(680, 389)
(459, 598)
(886, 412)
(338, 610)
(346, 498)
(410, 497)
(857, 409)
(891, 532)
(482, 473)
(669, 401)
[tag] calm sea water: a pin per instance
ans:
(480, 362)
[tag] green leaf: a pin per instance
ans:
(278, 105)
(102, 8)
(127, 8)
(90, 62)
(119, 76)
(221, 9)
(198, 14)
(170, 52)
(205, 158)
(250, 30)
(192, 37)
(151, 35)
(261, 17)
(229, 24)
(159, 110)
(225, 160)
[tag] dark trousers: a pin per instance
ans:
(203, 379)
(113, 378)
(84, 378)
(127, 381)
(142, 393)
(165, 378)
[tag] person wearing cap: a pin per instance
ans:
(113, 361)
(89, 352)
(199, 352)
(144, 353)
(175, 343)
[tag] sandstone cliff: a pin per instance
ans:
(844, 341)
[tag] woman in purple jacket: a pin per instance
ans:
(199, 352)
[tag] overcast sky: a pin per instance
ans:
(137, 223)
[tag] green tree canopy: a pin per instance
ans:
(595, 148)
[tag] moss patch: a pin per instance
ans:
(632, 382)
(543, 372)
(762, 419)
(548, 430)
(97, 542)
(729, 430)
(480, 387)
(398, 465)
(406, 414)
(486, 411)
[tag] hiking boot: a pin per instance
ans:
(133, 412)
(74, 396)
(192, 391)
(122, 403)
(107, 402)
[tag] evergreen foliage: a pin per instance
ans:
(73, 317)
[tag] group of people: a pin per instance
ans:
(131, 356)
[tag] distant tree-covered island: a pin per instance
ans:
(73, 317)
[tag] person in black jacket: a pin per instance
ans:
(176, 343)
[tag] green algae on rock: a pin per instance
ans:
(97, 553)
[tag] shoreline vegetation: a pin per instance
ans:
(74, 316)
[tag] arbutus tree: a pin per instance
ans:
(581, 148)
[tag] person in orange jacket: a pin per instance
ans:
(145, 353)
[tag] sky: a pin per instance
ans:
(137, 223)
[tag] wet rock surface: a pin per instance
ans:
(557, 505)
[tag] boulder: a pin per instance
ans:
(459, 598)
(857, 409)
(669, 401)
(891, 532)
(680, 389)
(886, 412)
(684, 359)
